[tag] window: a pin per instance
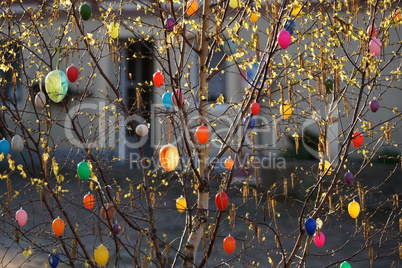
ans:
(136, 77)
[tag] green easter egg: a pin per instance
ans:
(85, 11)
(56, 84)
(83, 171)
(329, 85)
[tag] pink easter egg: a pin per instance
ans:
(21, 216)
(375, 47)
(319, 239)
(284, 39)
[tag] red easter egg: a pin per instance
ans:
(221, 201)
(72, 73)
(229, 244)
(58, 226)
(158, 79)
(373, 32)
(202, 134)
(255, 108)
(357, 139)
(89, 201)
(179, 95)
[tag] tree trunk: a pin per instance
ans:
(199, 220)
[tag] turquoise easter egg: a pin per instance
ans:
(4, 147)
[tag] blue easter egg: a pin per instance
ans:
(251, 124)
(228, 47)
(290, 26)
(310, 225)
(252, 72)
(167, 100)
(53, 259)
(4, 147)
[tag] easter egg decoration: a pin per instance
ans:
(373, 31)
(114, 29)
(53, 259)
(40, 100)
(107, 212)
(142, 130)
(319, 223)
(221, 201)
(310, 225)
(177, 96)
(21, 217)
(58, 226)
(169, 24)
(229, 163)
(329, 85)
(345, 264)
(284, 39)
(255, 108)
(290, 26)
(229, 244)
(286, 110)
(192, 7)
(325, 166)
(375, 47)
(234, 3)
(319, 239)
(354, 209)
(348, 177)
(250, 123)
(296, 10)
(397, 17)
(85, 11)
(72, 73)
(101, 255)
(167, 100)
(357, 139)
(229, 47)
(254, 16)
(17, 144)
(89, 201)
(116, 228)
(83, 170)
(181, 204)
(169, 157)
(374, 105)
(158, 79)
(56, 84)
(4, 147)
(202, 134)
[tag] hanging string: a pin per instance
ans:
(57, 58)
(169, 123)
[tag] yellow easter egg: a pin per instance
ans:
(286, 110)
(181, 204)
(354, 209)
(101, 255)
(114, 29)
